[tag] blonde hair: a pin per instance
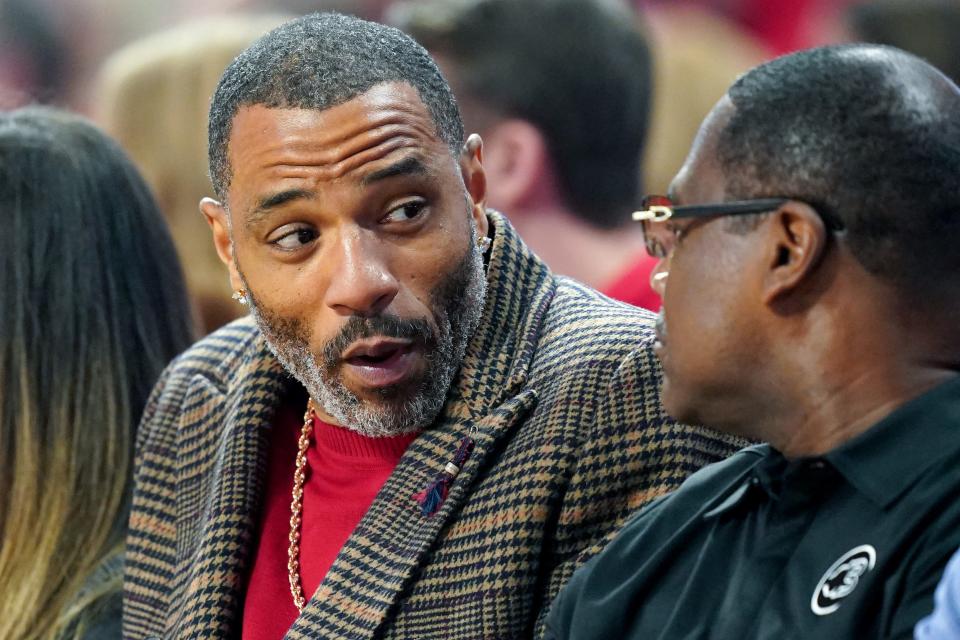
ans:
(154, 97)
(94, 306)
(697, 54)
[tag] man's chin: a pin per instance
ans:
(380, 411)
(387, 398)
(674, 401)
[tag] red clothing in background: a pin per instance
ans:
(633, 286)
(345, 472)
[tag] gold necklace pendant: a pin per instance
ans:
(296, 508)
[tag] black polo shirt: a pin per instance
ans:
(847, 545)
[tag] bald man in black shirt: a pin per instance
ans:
(811, 283)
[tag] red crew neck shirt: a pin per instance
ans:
(345, 471)
(633, 285)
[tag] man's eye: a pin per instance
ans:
(405, 212)
(293, 239)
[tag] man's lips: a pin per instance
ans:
(380, 362)
(374, 348)
(659, 331)
(660, 328)
(658, 347)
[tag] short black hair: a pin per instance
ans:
(319, 61)
(579, 70)
(870, 136)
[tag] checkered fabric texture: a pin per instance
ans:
(560, 391)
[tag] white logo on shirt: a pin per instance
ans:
(842, 578)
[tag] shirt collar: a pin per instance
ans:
(771, 476)
(885, 460)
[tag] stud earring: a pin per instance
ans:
(240, 296)
(484, 243)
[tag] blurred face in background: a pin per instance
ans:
(353, 233)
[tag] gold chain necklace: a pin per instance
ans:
(430, 499)
(296, 507)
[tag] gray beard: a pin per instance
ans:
(457, 307)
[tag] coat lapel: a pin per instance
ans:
(222, 457)
(363, 587)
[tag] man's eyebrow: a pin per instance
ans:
(272, 201)
(408, 166)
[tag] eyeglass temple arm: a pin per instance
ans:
(659, 213)
(654, 213)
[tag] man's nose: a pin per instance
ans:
(361, 282)
(658, 277)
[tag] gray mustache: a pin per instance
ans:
(417, 330)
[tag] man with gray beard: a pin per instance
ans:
(456, 305)
(420, 432)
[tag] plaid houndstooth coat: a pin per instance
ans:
(559, 390)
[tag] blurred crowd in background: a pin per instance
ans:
(145, 71)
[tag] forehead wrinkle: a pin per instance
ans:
(350, 153)
(275, 144)
(338, 168)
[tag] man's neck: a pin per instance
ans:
(574, 248)
(845, 354)
(836, 415)
(860, 363)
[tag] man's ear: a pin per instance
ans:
(519, 166)
(475, 180)
(798, 239)
(216, 215)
